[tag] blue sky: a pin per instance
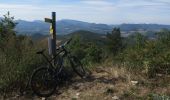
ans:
(97, 11)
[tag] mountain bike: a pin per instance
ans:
(45, 80)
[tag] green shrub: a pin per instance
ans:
(17, 56)
(149, 56)
(88, 52)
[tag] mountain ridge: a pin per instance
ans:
(67, 26)
(62, 26)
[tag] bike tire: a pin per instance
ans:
(78, 68)
(50, 84)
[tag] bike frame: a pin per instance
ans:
(51, 66)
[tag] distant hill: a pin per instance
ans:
(86, 36)
(34, 27)
(63, 27)
(37, 36)
(146, 27)
(66, 26)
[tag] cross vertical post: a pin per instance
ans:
(54, 33)
(52, 40)
(54, 25)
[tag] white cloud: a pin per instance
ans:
(100, 11)
(17, 6)
(140, 3)
(97, 2)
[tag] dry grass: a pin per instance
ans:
(110, 82)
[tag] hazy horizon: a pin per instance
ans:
(93, 11)
(89, 22)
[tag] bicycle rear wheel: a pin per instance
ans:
(78, 68)
(43, 82)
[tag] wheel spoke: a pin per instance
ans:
(43, 82)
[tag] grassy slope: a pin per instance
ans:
(109, 82)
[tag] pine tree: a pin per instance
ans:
(114, 41)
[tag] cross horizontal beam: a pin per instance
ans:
(48, 20)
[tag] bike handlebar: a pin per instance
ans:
(67, 42)
(61, 46)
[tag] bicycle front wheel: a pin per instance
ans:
(43, 82)
(78, 68)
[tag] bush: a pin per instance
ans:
(17, 56)
(93, 54)
(88, 52)
(149, 56)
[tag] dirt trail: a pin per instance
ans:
(108, 84)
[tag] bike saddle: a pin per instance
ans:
(41, 51)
